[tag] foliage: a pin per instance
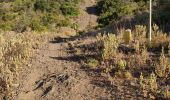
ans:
(122, 64)
(166, 94)
(162, 68)
(144, 64)
(114, 10)
(69, 9)
(92, 63)
(19, 15)
(15, 50)
(35, 25)
(161, 14)
(110, 45)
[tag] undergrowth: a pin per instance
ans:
(15, 51)
(149, 64)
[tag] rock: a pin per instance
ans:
(15, 85)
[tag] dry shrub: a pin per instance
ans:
(148, 84)
(166, 94)
(138, 60)
(110, 44)
(67, 32)
(15, 50)
(139, 34)
(160, 40)
(162, 68)
(92, 63)
(111, 58)
(155, 69)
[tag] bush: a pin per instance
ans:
(36, 26)
(110, 44)
(21, 24)
(5, 26)
(46, 11)
(64, 22)
(15, 50)
(114, 10)
(92, 63)
(42, 5)
(48, 19)
(69, 9)
(162, 68)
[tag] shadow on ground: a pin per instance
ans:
(62, 40)
(92, 10)
(75, 58)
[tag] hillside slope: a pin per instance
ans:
(55, 77)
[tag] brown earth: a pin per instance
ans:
(49, 77)
(53, 75)
(56, 71)
(88, 16)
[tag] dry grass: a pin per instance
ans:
(162, 68)
(143, 62)
(15, 50)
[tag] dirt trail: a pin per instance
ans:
(57, 73)
(88, 17)
(54, 75)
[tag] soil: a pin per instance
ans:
(88, 16)
(57, 73)
(51, 76)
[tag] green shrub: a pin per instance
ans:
(47, 5)
(42, 5)
(69, 9)
(21, 24)
(20, 14)
(64, 22)
(7, 17)
(22, 5)
(48, 19)
(36, 26)
(114, 10)
(5, 26)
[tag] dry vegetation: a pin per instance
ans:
(147, 63)
(131, 58)
(15, 50)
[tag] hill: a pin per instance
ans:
(83, 50)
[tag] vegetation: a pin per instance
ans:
(15, 50)
(37, 15)
(148, 64)
(112, 11)
(127, 55)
